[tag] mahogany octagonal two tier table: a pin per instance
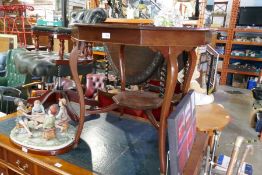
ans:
(170, 41)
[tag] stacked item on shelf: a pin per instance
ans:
(244, 67)
(247, 53)
(220, 49)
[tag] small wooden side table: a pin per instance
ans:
(210, 118)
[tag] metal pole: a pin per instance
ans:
(64, 12)
(216, 138)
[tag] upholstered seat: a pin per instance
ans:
(43, 29)
(53, 30)
(63, 30)
(44, 63)
(41, 63)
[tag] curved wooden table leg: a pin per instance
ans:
(122, 67)
(172, 71)
(122, 72)
(152, 119)
(73, 67)
(192, 60)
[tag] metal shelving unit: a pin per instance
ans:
(230, 42)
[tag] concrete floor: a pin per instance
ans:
(239, 107)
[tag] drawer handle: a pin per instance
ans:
(23, 168)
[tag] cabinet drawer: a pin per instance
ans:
(20, 163)
(45, 171)
(3, 170)
(1, 153)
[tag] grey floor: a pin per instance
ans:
(239, 107)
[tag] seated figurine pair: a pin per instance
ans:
(39, 119)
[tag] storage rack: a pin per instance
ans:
(230, 42)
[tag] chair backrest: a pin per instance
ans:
(2, 63)
(93, 83)
(14, 78)
(145, 62)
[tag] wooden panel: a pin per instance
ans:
(1, 153)
(129, 21)
(10, 172)
(95, 34)
(3, 170)
(142, 35)
(193, 164)
(43, 40)
(46, 161)
(177, 38)
(21, 163)
(68, 45)
(5, 43)
(45, 171)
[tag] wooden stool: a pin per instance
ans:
(210, 118)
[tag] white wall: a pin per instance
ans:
(251, 3)
(242, 3)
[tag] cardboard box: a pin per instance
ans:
(7, 42)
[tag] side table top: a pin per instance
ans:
(211, 117)
(143, 35)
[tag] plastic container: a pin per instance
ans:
(259, 122)
(251, 84)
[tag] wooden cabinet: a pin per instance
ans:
(3, 170)
(14, 161)
(44, 171)
(1, 153)
(20, 163)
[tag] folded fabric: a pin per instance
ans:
(91, 16)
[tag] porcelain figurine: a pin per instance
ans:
(21, 120)
(49, 131)
(38, 108)
(62, 117)
(21, 107)
(41, 131)
(37, 115)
